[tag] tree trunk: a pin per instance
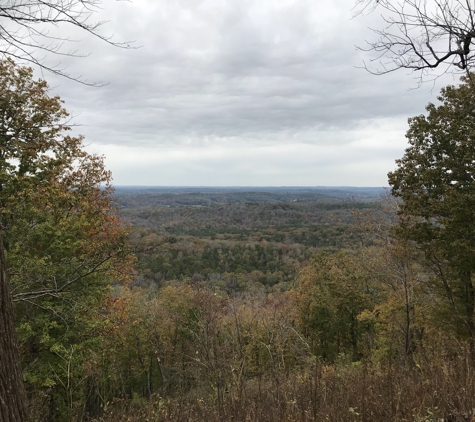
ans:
(469, 299)
(12, 390)
(469, 304)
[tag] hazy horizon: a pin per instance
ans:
(256, 93)
(249, 186)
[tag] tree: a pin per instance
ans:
(423, 35)
(435, 180)
(329, 296)
(63, 245)
(26, 25)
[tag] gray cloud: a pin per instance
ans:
(220, 75)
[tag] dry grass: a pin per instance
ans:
(443, 389)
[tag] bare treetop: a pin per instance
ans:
(422, 35)
(28, 29)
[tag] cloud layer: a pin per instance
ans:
(254, 92)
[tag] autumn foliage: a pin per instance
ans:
(64, 246)
(297, 311)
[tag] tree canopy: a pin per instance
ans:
(435, 180)
(64, 246)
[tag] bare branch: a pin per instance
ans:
(25, 30)
(422, 35)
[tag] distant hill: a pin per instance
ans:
(176, 196)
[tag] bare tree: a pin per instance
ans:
(422, 35)
(29, 30)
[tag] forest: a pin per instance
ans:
(220, 304)
(193, 304)
(296, 305)
(238, 234)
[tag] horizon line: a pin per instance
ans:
(249, 186)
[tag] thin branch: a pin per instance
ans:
(416, 32)
(24, 31)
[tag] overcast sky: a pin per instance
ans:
(240, 93)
